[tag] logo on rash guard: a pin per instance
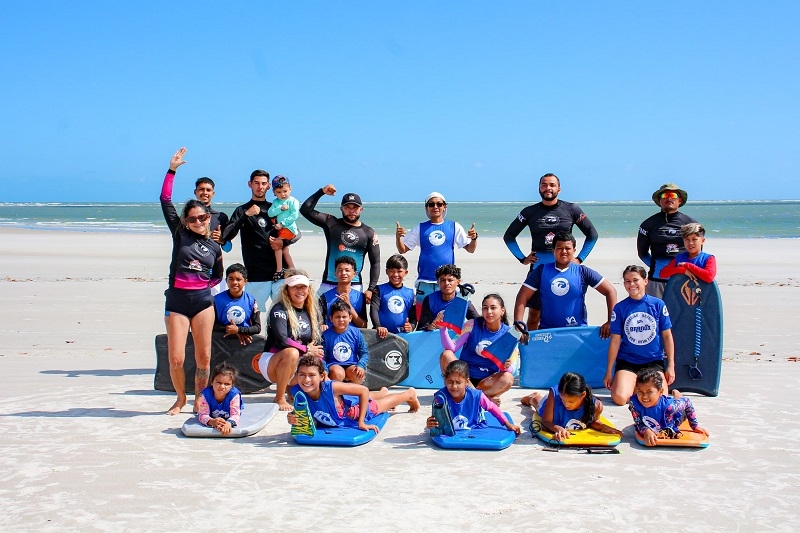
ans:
(673, 249)
(436, 238)
(324, 418)
(651, 423)
(305, 327)
(350, 237)
(279, 314)
(342, 351)
(548, 239)
(460, 422)
(202, 249)
(481, 346)
(195, 264)
(550, 220)
(559, 286)
(396, 305)
(235, 315)
(574, 425)
(262, 222)
(343, 248)
(640, 328)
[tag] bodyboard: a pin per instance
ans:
(583, 437)
(344, 436)
(424, 349)
(492, 437)
(243, 358)
(253, 418)
(686, 439)
(552, 352)
(695, 309)
(388, 360)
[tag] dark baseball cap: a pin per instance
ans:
(279, 181)
(351, 198)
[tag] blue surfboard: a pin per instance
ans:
(342, 436)
(552, 352)
(695, 309)
(492, 437)
(424, 349)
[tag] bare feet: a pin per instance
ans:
(196, 408)
(531, 400)
(496, 400)
(676, 394)
(176, 407)
(413, 402)
(283, 405)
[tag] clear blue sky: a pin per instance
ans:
(395, 99)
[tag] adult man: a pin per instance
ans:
(345, 236)
(437, 240)
(659, 239)
(562, 285)
(204, 191)
(252, 221)
(544, 220)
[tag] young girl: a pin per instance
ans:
(466, 404)
(694, 261)
(654, 412)
(641, 335)
(476, 335)
(570, 406)
(338, 404)
(221, 402)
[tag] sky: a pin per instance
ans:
(395, 99)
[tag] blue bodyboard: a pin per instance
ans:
(344, 436)
(492, 437)
(695, 309)
(253, 418)
(552, 352)
(424, 349)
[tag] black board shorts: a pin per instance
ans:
(659, 365)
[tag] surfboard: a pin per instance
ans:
(552, 352)
(686, 439)
(388, 360)
(344, 436)
(253, 418)
(492, 437)
(424, 349)
(582, 437)
(695, 309)
(243, 358)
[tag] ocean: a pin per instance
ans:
(725, 219)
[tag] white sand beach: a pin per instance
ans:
(85, 444)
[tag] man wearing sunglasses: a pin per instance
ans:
(437, 240)
(660, 239)
(545, 220)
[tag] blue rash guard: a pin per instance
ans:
(392, 306)
(640, 323)
(324, 408)
(563, 293)
(222, 409)
(345, 349)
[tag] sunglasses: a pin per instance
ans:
(436, 204)
(669, 195)
(201, 218)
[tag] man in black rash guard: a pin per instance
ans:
(252, 221)
(659, 239)
(545, 219)
(345, 236)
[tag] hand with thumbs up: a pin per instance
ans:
(398, 238)
(473, 235)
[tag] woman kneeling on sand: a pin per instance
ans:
(294, 331)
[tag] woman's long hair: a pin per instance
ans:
(311, 306)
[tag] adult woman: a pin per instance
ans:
(196, 266)
(476, 336)
(294, 330)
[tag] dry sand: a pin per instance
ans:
(85, 445)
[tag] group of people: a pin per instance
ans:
(324, 325)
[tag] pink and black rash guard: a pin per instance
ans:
(196, 260)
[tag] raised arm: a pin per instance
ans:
(308, 209)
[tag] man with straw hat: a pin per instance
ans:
(659, 239)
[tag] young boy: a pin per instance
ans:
(393, 306)
(448, 277)
(694, 260)
(236, 310)
(284, 209)
(345, 269)
(346, 354)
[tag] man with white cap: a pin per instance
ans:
(660, 239)
(437, 239)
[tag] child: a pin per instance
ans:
(339, 404)
(467, 405)
(641, 334)
(654, 412)
(571, 406)
(236, 310)
(346, 354)
(694, 261)
(345, 269)
(448, 278)
(221, 403)
(284, 209)
(393, 307)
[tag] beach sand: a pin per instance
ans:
(85, 446)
